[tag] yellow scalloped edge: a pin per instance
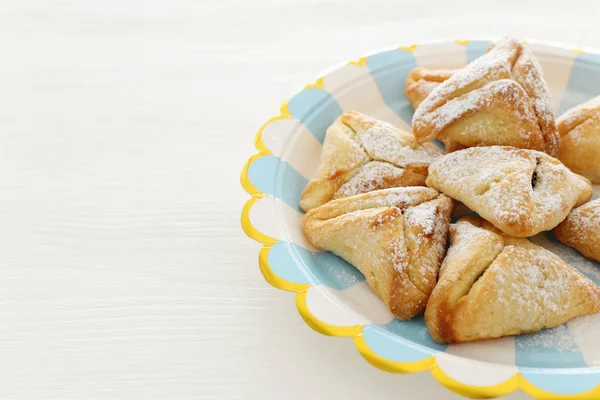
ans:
(541, 394)
(389, 365)
(476, 392)
(517, 381)
(317, 324)
(362, 62)
(249, 229)
(410, 48)
(272, 278)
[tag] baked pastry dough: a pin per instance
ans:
(395, 237)
(361, 154)
(522, 192)
(581, 230)
(498, 99)
(419, 84)
(491, 285)
(422, 81)
(579, 147)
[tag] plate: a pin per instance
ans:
(333, 297)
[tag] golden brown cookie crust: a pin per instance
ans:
(395, 237)
(491, 286)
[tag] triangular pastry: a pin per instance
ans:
(581, 230)
(521, 192)
(579, 147)
(395, 237)
(422, 81)
(361, 154)
(491, 286)
(419, 84)
(498, 99)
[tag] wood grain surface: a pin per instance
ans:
(124, 273)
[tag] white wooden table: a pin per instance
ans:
(124, 273)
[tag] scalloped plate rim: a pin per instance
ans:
(516, 381)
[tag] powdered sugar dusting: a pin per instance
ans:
(365, 214)
(491, 66)
(401, 197)
(589, 268)
(472, 89)
(398, 254)
(519, 287)
(586, 324)
(362, 154)
(584, 221)
(557, 338)
(579, 148)
(537, 89)
(543, 286)
(577, 115)
(464, 236)
(427, 227)
(575, 136)
(418, 207)
(371, 221)
(504, 90)
(382, 143)
(527, 72)
(423, 215)
(366, 205)
(537, 283)
(422, 81)
(374, 175)
(571, 119)
(455, 109)
(507, 185)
